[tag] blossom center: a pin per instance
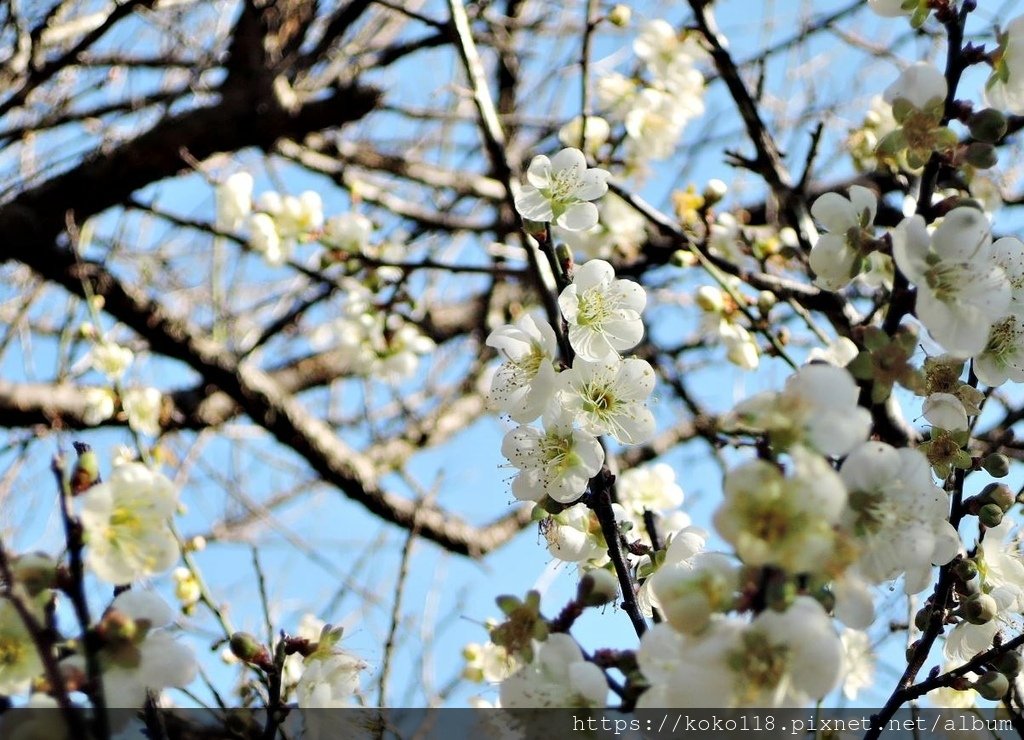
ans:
(12, 651)
(564, 185)
(558, 455)
(761, 664)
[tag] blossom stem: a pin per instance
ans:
(75, 590)
(600, 501)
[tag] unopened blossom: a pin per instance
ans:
(603, 313)
(99, 406)
(234, 201)
(897, 515)
(961, 290)
(784, 521)
(557, 461)
(143, 406)
(19, 659)
(110, 358)
(817, 409)
(525, 381)
(1005, 87)
(838, 255)
(127, 520)
(780, 659)
(609, 398)
(649, 488)
(559, 189)
(558, 677)
(145, 658)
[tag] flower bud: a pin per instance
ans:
(620, 15)
(988, 125)
(997, 465)
(247, 648)
(564, 256)
(992, 685)
(765, 301)
(116, 626)
(1009, 664)
(981, 155)
(714, 191)
(998, 494)
(990, 515)
(922, 618)
(597, 588)
(979, 609)
(965, 569)
(35, 571)
(710, 299)
(86, 472)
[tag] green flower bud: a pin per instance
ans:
(765, 301)
(997, 465)
(1009, 664)
(988, 125)
(998, 494)
(86, 472)
(979, 609)
(981, 155)
(35, 571)
(249, 649)
(992, 685)
(990, 515)
(597, 588)
(922, 618)
(965, 570)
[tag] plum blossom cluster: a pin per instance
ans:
(141, 406)
(654, 108)
(600, 393)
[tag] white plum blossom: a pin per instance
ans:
(649, 488)
(155, 662)
(557, 461)
(897, 515)
(780, 659)
(617, 93)
(525, 381)
(1003, 356)
(837, 256)
(348, 232)
(19, 659)
(558, 677)
(234, 201)
(110, 358)
(945, 411)
(574, 535)
(817, 409)
(961, 289)
(785, 521)
(609, 398)
(143, 407)
(603, 313)
(264, 239)
(294, 217)
(1005, 88)
(127, 520)
(858, 662)
(597, 133)
(921, 85)
(99, 406)
(329, 681)
(559, 189)
(489, 662)
(1003, 561)
(667, 53)
(691, 591)
(621, 230)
